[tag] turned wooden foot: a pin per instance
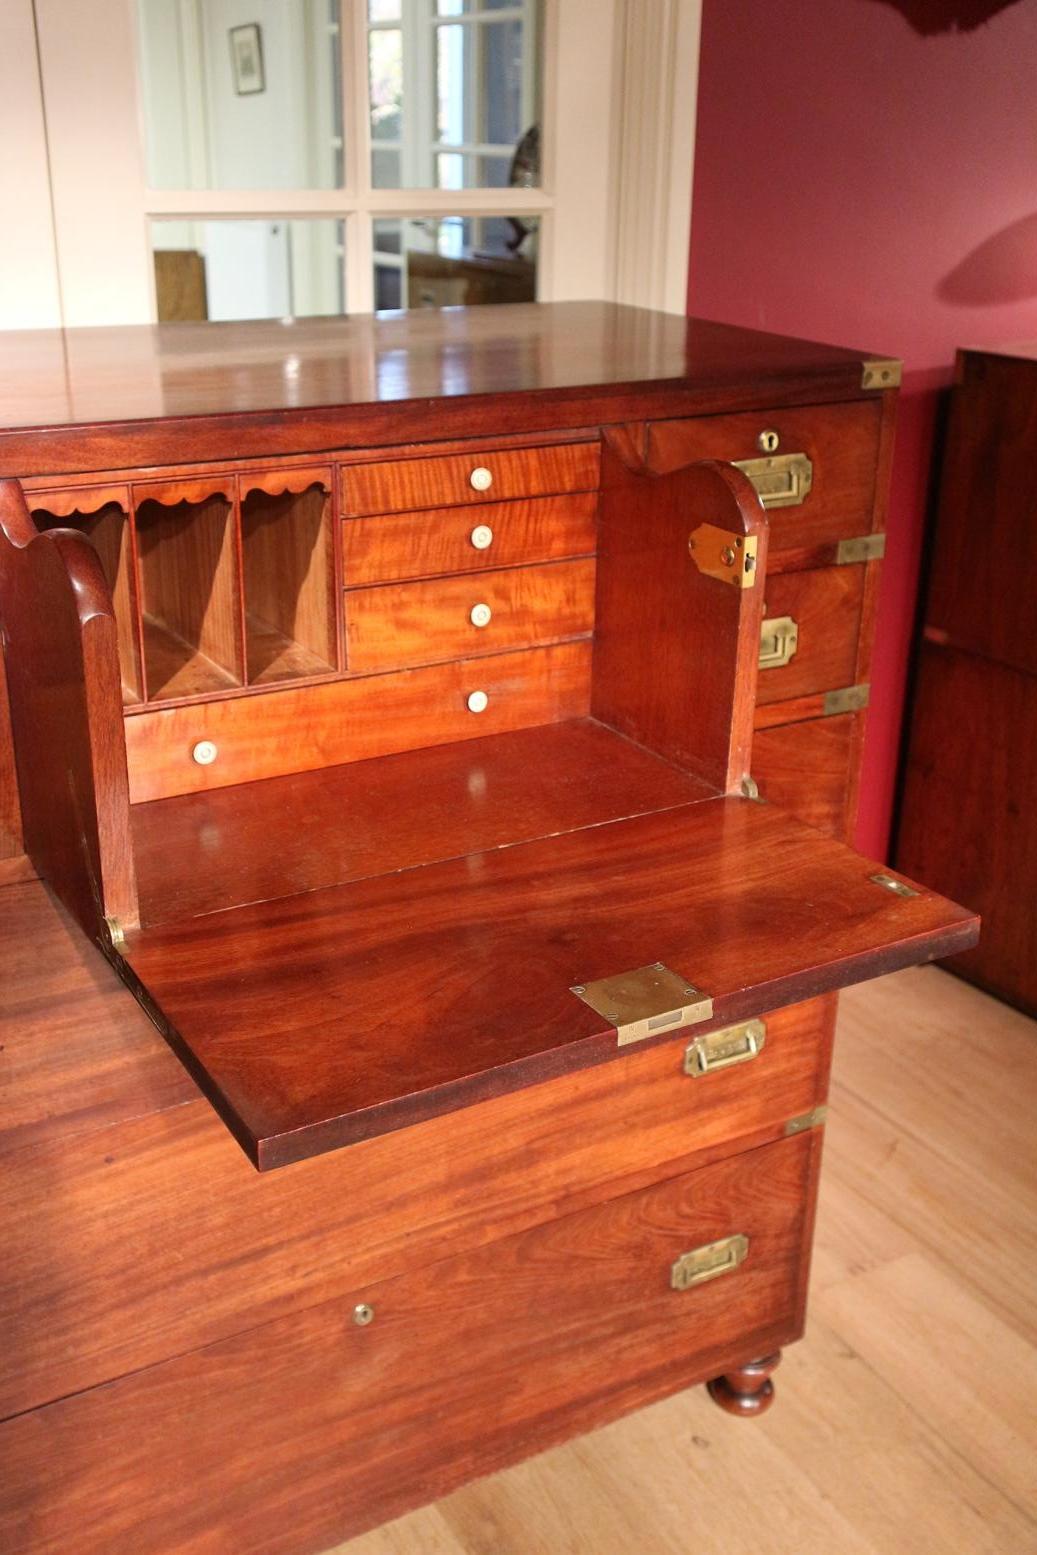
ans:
(747, 1391)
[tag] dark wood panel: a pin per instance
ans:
(78, 1053)
(401, 484)
(299, 729)
(294, 1435)
(966, 821)
(842, 442)
(826, 605)
(398, 546)
(419, 623)
(365, 381)
(809, 769)
(11, 845)
(981, 588)
(227, 1248)
(440, 1011)
(197, 853)
(676, 647)
(61, 659)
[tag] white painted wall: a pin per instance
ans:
(29, 295)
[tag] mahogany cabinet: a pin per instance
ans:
(419, 1052)
(966, 818)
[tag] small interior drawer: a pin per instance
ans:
(810, 632)
(398, 485)
(448, 618)
(808, 769)
(816, 464)
(396, 546)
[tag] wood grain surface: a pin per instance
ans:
(464, 1366)
(396, 546)
(809, 770)
(841, 441)
(197, 853)
(453, 1013)
(366, 381)
(421, 623)
(402, 484)
(299, 729)
(676, 649)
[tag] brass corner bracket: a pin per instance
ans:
(881, 372)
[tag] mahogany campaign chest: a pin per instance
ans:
(419, 1052)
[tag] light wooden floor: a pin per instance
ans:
(907, 1419)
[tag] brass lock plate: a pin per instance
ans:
(779, 639)
(782, 481)
(720, 1049)
(646, 1002)
(708, 1262)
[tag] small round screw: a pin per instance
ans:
(727, 556)
(580, 988)
(363, 1314)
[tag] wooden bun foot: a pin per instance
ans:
(747, 1391)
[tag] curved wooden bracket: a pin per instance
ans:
(62, 663)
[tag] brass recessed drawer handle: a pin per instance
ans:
(720, 1049)
(779, 639)
(783, 481)
(708, 1262)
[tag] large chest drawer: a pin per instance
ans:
(815, 466)
(349, 1412)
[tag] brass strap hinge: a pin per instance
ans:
(862, 548)
(719, 554)
(806, 1120)
(881, 372)
(850, 699)
(646, 1002)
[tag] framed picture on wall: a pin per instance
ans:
(246, 57)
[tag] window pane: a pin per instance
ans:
(248, 269)
(232, 105)
(454, 260)
(384, 10)
(484, 70)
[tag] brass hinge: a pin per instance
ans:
(719, 554)
(862, 548)
(881, 372)
(806, 1120)
(783, 481)
(116, 935)
(850, 699)
(645, 1002)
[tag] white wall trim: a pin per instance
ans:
(655, 81)
(29, 294)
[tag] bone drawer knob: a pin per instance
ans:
(481, 479)
(480, 615)
(481, 537)
(478, 701)
(205, 753)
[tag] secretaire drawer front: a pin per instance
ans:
(809, 769)
(399, 485)
(397, 1392)
(810, 632)
(449, 618)
(814, 467)
(397, 546)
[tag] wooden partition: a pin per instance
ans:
(288, 568)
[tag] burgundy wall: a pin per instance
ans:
(860, 183)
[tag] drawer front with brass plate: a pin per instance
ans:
(814, 467)
(448, 618)
(808, 639)
(397, 546)
(398, 485)
(404, 1384)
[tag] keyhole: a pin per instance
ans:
(768, 440)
